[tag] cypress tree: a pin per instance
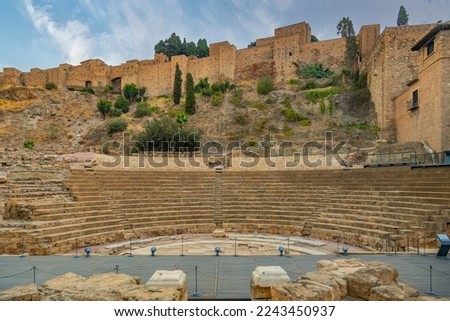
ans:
(403, 17)
(189, 108)
(177, 85)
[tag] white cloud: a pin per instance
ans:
(71, 38)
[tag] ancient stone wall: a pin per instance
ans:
(367, 39)
(391, 67)
(429, 120)
(10, 77)
(271, 57)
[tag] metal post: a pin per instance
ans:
(235, 246)
(196, 293)
(34, 274)
(182, 246)
(76, 248)
(424, 244)
(337, 248)
(388, 246)
(117, 269)
(288, 252)
(407, 244)
(395, 247)
(431, 282)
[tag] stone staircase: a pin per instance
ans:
(55, 212)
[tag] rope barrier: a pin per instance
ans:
(14, 275)
(412, 275)
(48, 272)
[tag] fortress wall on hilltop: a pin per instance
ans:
(428, 121)
(390, 68)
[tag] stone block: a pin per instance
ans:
(163, 279)
(263, 278)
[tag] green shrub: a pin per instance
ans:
(322, 107)
(115, 112)
(104, 107)
(217, 99)
(310, 85)
(293, 82)
(222, 87)
(51, 85)
(87, 90)
(117, 125)
(173, 112)
(292, 116)
(28, 144)
(236, 97)
(264, 86)
(108, 89)
(314, 96)
(144, 109)
(304, 122)
(123, 104)
(165, 134)
(317, 71)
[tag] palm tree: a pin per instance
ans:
(345, 28)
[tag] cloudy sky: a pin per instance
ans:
(45, 33)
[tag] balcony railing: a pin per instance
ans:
(410, 105)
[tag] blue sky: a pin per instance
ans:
(45, 33)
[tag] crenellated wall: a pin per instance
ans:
(271, 57)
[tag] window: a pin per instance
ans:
(430, 48)
(415, 100)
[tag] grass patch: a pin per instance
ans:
(315, 96)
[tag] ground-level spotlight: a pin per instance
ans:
(345, 250)
(153, 250)
(87, 250)
(281, 249)
(217, 249)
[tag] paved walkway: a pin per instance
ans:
(217, 276)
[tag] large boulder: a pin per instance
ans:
(361, 282)
(101, 287)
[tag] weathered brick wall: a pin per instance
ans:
(254, 63)
(391, 67)
(367, 39)
(302, 30)
(430, 121)
(443, 44)
(10, 77)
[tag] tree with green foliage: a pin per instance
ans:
(189, 107)
(104, 107)
(202, 48)
(117, 125)
(346, 30)
(251, 44)
(165, 134)
(130, 91)
(173, 47)
(314, 38)
(403, 17)
(122, 104)
(177, 85)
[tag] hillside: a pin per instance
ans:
(63, 121)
